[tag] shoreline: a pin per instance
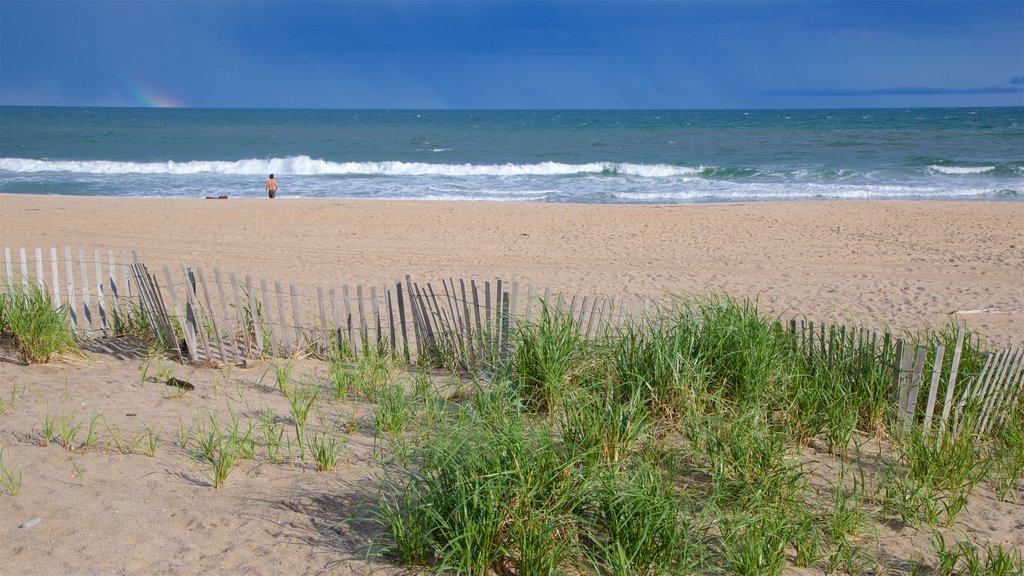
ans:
(902, 263)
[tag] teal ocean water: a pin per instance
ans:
(608, 157)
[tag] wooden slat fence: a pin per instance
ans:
(94, 285)
(928, 392)
(457, 324)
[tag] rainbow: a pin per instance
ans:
(148, 98)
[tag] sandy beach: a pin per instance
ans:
(129, 504)
(905, 265)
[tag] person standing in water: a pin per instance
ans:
(271, 186)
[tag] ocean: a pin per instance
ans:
(561, 156)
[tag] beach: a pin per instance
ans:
(124, 495)
(901, 264)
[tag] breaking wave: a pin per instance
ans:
(306, 166)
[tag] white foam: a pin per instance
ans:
(306, 166)
(954, 170)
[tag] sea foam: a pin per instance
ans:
(306, 166)
(954, 170)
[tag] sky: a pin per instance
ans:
(512, 55)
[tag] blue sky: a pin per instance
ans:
(525, 54)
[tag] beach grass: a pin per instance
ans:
(688, 441)
(10, 479)
(670, 445)
(38, 328)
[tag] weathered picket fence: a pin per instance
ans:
(93, 290)
(456, 324)
(978, 401)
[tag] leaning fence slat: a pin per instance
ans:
(193, 313)
(126, 289)
(1016, 385)
(9, 266)
(968, 394)
(419, 323)
(453, 305)
(256, 312)
(981, 392)
(323, 330)
(514, 300)
(947, 405)
(476, 317)
(505, 320)
(86, 307)
(170, 336)
(595, 308)
(148, 307)
(115, 293)
(392, 340)
(500, 305)
(413, 313)
(216, 336)
(186, 329)
(198, 313)
(231, 327)
(54, 273)
(915, 385)
(933, 389)
(296, 317)
(245, 344)
(450, 315)
(154, 310)
(349, 320)
(40, 280)
(375, 315)
(468, 326)
(433, 316)
(531, 301)
(268, 318)
(336, 324)
(375, 311)
(488, 318)
(992, 385)
(443, 325)
(1004, 391)
(401, 319)
(419, 327)
(364, 335)
(69, 272)
(281, 317)
(904, 358)
(100, 296)
(1003, 376)
(24, 268)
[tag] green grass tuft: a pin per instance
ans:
(38, 329)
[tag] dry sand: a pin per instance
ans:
(114, 509)
(902, 264)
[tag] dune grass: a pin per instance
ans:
(668, 446)
(10, 479)
(38, 329)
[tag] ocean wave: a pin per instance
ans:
(959, 170)
(306, 166)
(760, 192)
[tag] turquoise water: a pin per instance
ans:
(617, 157)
